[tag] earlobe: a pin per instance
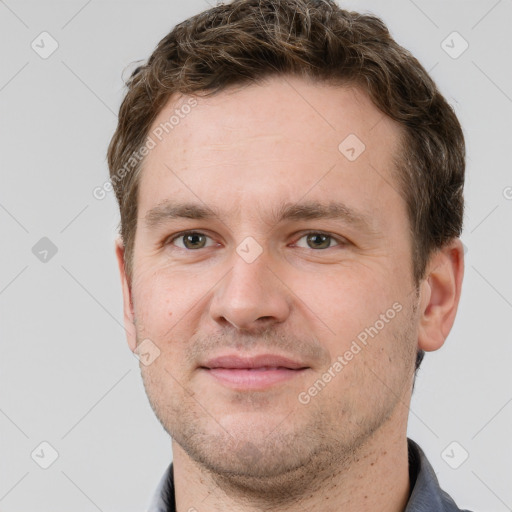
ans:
(129, 316)
(440, 295)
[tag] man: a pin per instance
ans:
(290, 185)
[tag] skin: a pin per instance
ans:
(243, 153)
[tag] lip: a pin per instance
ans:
(235, 361)
(256, 372)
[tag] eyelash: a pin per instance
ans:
(340, 241)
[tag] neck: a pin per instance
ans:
(376, 477)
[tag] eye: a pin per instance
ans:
(315, 240)
(191, 240)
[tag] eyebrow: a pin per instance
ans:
(310, 210)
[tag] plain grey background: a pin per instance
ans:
(68, 377)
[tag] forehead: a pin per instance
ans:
(283, 137)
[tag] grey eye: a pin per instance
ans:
(317, 241)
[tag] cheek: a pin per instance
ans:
(360, 317)
(165, 301)
(346, 300)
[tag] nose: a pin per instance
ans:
(251, 297)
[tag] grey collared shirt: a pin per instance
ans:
(426, 494)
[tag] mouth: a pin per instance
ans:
(252, 373)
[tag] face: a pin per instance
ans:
(272, 271)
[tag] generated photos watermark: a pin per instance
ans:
(361, 341)
(157, 135)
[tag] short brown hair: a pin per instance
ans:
(248, 40)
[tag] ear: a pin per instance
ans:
(440, 294)
(129, 316)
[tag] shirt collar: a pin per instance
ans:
(426, 494)
(163, 497)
